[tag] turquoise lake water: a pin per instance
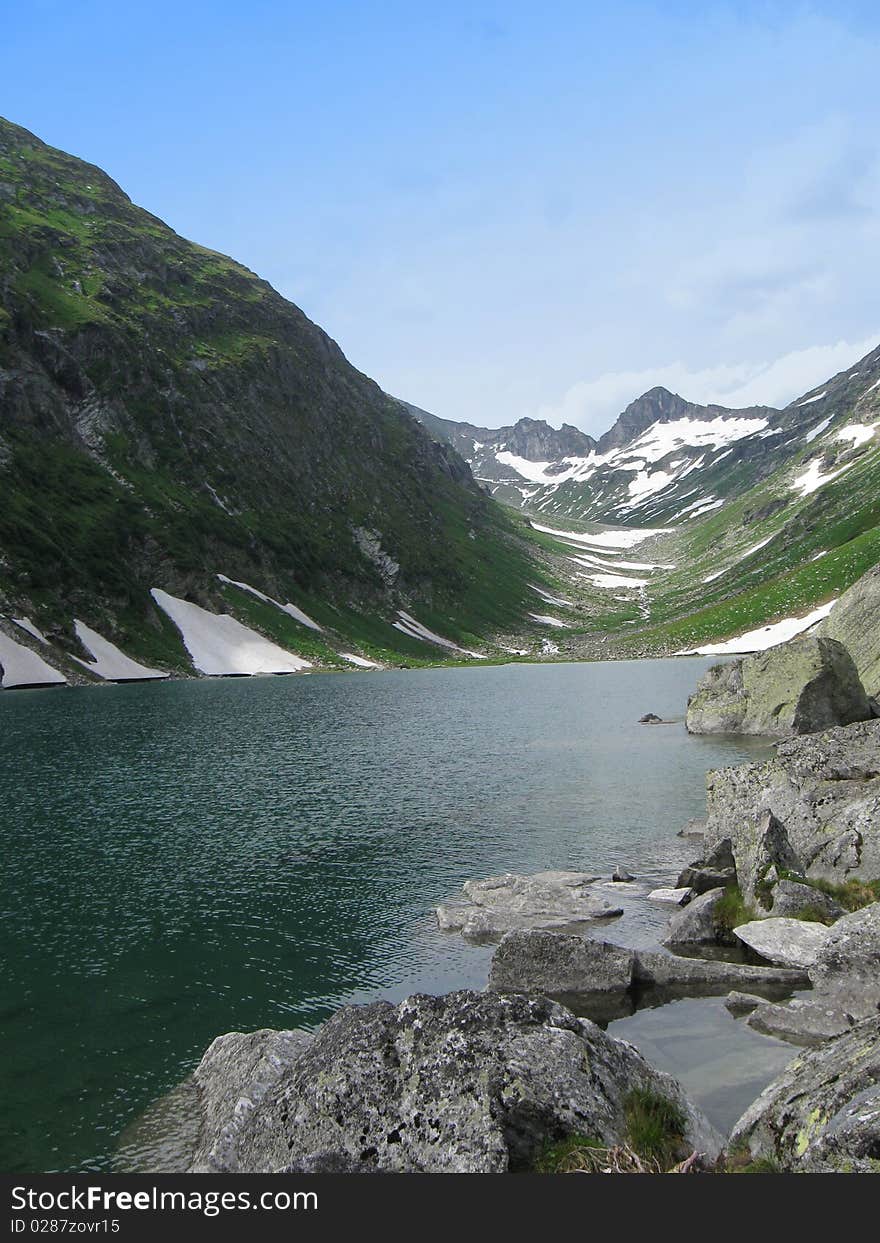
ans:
(188, 858)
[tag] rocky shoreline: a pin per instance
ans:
(783, 900)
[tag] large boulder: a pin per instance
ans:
(466, 1083)
(823, 789)
(562, 966)
(847, 966)
(784, 942)
(799, 687)
(823, 1112)
(853, 622)
(499, 904)
(791, 898)
(695, 924)
(233, 1078)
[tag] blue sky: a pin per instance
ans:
(502, 209)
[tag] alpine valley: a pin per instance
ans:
(194, 480)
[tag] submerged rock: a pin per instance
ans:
(621, 875)
(501, 904)
(823, 1112)
(799, 687)
(800, 1021)
(466, 1083)
(742, 1003)
(650, 718)
(784, 942)
(823, 789)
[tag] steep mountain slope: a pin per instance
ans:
(664, 460)
(166, 416)
(780, 552)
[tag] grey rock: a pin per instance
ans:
(621, 875)
(236, 1074)
(504, 903)
(327, 1163)
(678, 897)
(799, 687)
(824, 789)
(650, 718)
(560, 966)
(822, 1113)
(847, 967)
(853, 621)
(673, 976)
(466, 1083)
(702, 879)
(800, 1021)
(784, 942)
(716, 871)
(767, 849)
(694, 924)
(790, 897)
(742, 1003)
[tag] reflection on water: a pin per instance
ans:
(183, 859)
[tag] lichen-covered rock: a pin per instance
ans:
(499, 904)
(824, 790)
(695, 923)
(823, 1112)
(802, 1021)
(765, 849)
(799, 687)
(848, 964)
(784, 942)
(235, 1075)
(742, 1003)
(853, 622)
(559, 966)
(469, 1083)
(791, 897)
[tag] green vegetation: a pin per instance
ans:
(654, 1143)
(852, 894)
(730, 911)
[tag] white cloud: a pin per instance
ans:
(594, 404)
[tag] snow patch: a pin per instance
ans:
(545, 620)
(809, 401)
(812, 479)
(220, 646)
(408, 625)
(22, 667)
(817, 430)
(606, 540)
(359, 661)
(108, 662)
(290, 609)
(858, 433)
(26, 624)
(765, 637)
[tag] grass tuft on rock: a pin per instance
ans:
(655, 1126)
